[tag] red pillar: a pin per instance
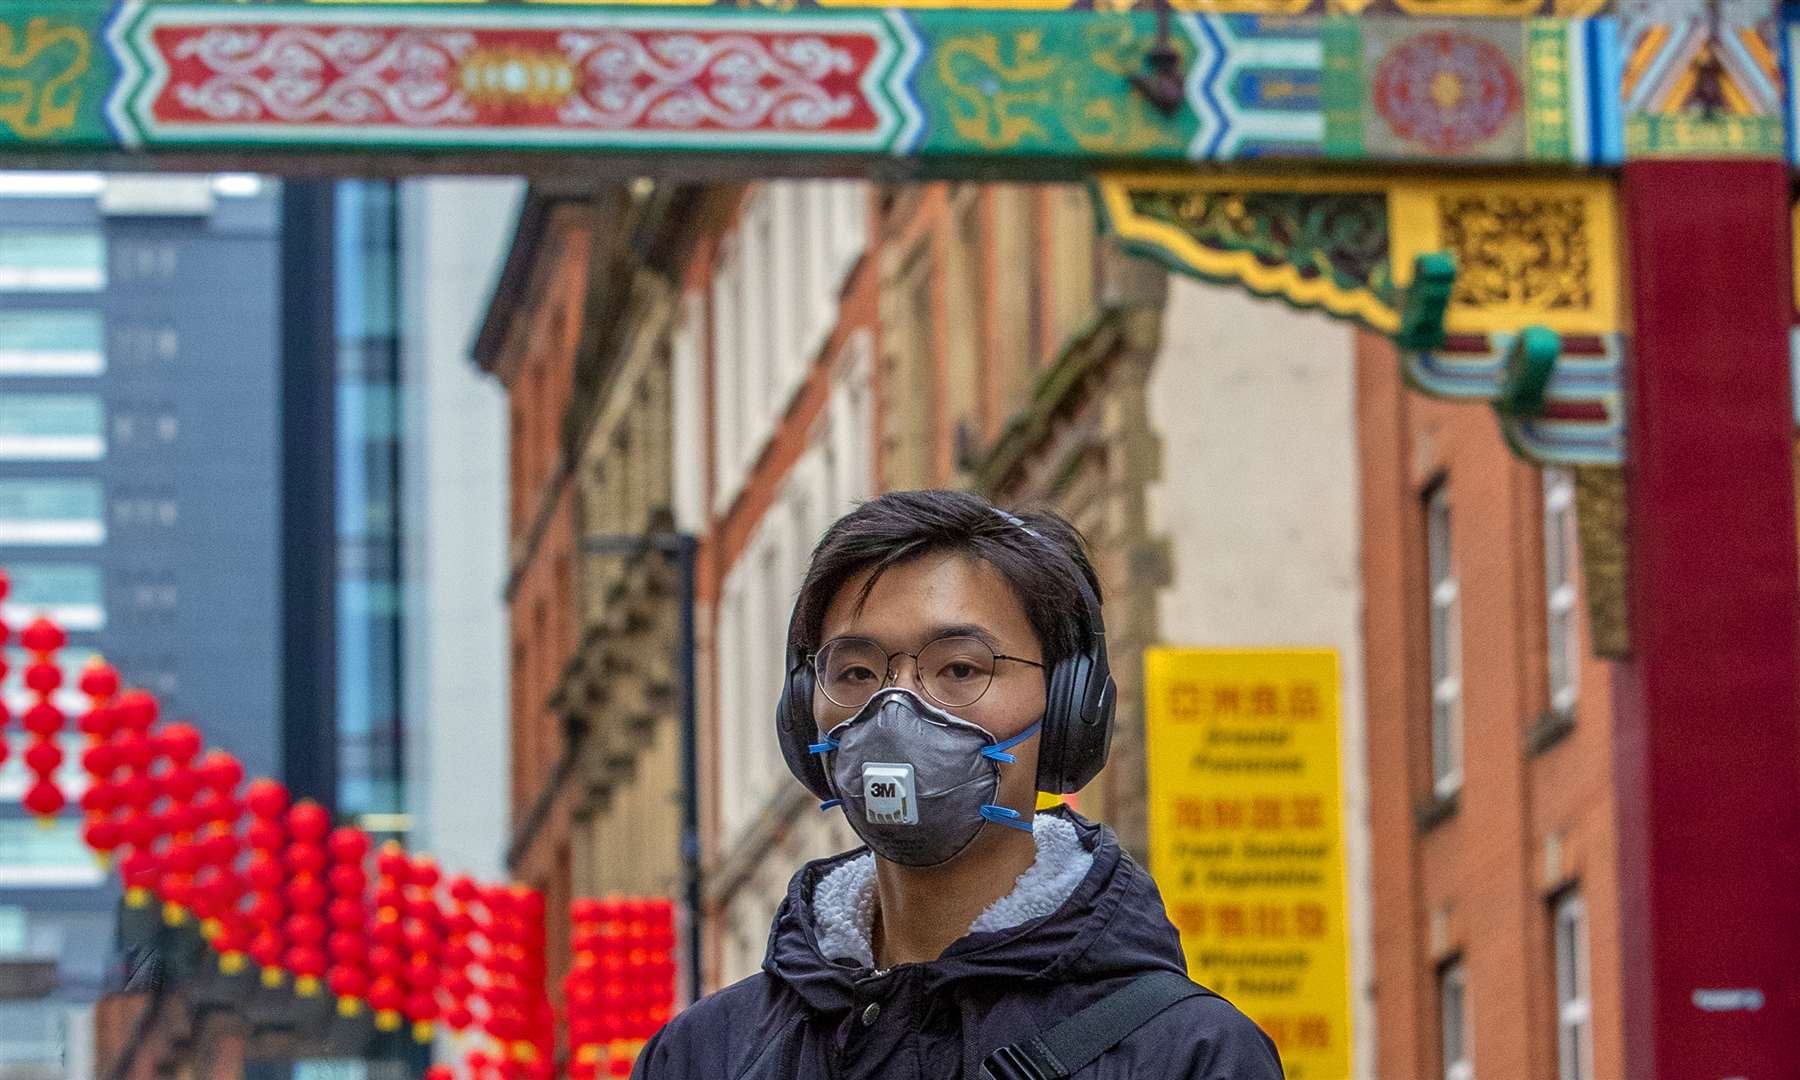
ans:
(1707, 737)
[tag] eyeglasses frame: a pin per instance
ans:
(812, 661)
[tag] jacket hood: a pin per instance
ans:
(1112, 924)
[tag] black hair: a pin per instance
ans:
(900, 526)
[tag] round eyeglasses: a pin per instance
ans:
(954, 671)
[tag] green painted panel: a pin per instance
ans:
(54, 73)
(1019, 84)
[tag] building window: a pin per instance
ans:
(69, 593)
(52, 260)
(1446, 647)
(34, 854)
(1562, 637)
(51, 511)
(1574, 1008)
(1453, 1009)
(51, 427)
(52, 342)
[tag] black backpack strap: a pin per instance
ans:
(1077, 1041)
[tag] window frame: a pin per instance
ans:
(1444, 642)
(1561, 592)
(1453, 979)
(1574, 1003)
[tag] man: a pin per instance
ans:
(946, 661)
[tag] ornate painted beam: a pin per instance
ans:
(959, 92)
(1527, 253)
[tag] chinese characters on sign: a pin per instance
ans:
(1246, 838)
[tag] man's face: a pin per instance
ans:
(920, 601)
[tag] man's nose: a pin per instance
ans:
(917, 683)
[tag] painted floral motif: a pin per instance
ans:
(1446, 90)
(1517, 251)
(696, 80)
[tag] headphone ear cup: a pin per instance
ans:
(1078, 724)
(1052, 746)
(796, 730)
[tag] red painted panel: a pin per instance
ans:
(1708, 730)
(652, 80)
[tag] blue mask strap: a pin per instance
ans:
(825, 747)
(828, 804)
(1005, 815)
(998, 751)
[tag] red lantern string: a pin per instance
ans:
(387, 959)
(349, 916)
(440, 1072)
(100, 760)
(218, 886)
(535, 978)
(5, 635)
(508, 1024)
(267, 874)
(458, 987)
(180, 819)
(422, 931)
(139, 827)
(581, 991)
(43, 720)
(305, 892)
(633, 941)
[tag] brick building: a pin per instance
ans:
(579, 332)
(1490, 739)
(1247, 474)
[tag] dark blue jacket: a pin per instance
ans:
(804, 1017)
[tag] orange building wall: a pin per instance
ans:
(1478, 884)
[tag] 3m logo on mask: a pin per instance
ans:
(890, 794)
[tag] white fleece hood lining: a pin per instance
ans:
(843, 904)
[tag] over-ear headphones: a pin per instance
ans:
(1079, 702)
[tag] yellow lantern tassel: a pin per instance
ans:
(387, 1020)
(273, 978)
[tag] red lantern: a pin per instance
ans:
(305, 930)
(388, 988)
(267, 834)
(422, 934)
(179, 783)
(581, 989)
(138, 789)
(5, 633)
(458, 955)
(348, 912)
(44, 721)
(99, 760)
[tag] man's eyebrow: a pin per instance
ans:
(974, 630)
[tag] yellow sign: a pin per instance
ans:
(1247, 841)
